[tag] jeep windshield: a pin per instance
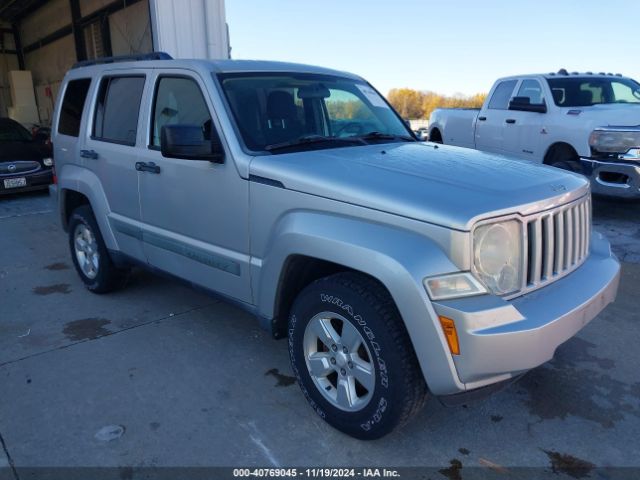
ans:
(588, 91)
(286, 112)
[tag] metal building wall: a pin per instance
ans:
(55, 34)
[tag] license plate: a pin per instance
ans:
(15, 182)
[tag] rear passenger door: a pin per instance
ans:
(195, 212)
(491, 123)
(110, 151)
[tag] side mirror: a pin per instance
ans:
(523, 104)
(188, 142)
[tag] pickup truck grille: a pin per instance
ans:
(556, 243)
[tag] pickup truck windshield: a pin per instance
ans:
(283, 112)
(588, 91)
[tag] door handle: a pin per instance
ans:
(482, 119)
(150, 167)
(510, 120)
(92, 154)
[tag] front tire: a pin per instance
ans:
(89, 253)
(564, 158)
(352, 356)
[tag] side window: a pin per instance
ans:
(117, 109)
(179, 101)
(72, 107)
(502, 95)
(531, 89)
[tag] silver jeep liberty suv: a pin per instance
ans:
(393, 267)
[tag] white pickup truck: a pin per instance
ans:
(587, 123)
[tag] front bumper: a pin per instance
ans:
(500, 339)
(616, 179)
(35, 181)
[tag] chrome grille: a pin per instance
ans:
(556, 243)
(18, 167)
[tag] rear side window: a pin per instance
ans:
(502, 95)
(72, 107)
(117, 109)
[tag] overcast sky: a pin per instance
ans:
(451, 46)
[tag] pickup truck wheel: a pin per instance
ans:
(352, 356)
(89, 253)
(565, 158)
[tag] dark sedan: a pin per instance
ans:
(25, 164)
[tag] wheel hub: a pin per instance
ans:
(86, 251)
(339, 361)
(342, 359)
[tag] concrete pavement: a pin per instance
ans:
(161, 375)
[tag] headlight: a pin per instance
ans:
(47, 161)
(497, 256)
(455, 285)
(614, 140)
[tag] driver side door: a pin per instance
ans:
(194, 211)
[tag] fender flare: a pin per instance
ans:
(84, 181)
(398, 258)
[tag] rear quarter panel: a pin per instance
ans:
(457, 125)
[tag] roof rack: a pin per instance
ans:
(124, 58)
(563, 71)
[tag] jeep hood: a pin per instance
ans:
(443, 185)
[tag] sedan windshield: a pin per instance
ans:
(11, 131)
(588, 91)
(284, 112)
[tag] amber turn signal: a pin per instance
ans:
(449, 329)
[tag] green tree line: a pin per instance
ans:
(413, 104)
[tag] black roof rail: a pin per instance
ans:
(124, 58)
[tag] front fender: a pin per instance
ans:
(398, 258)
(74, 178)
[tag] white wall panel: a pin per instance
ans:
(190, 28)
(7, 64)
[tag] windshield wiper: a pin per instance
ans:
(312, 139)
(385, 136)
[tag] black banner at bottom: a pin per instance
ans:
(452, 472)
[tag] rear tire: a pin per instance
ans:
(90, 255)
(362, 376)
(435, 136)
